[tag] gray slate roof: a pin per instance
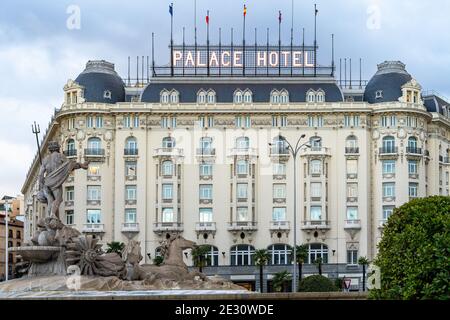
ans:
(434, 103)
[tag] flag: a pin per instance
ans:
(245, 10)
(207, 17)
(279, 16)
(316, 10)
(171, 9)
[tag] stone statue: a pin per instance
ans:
(54, 171)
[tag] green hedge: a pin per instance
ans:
(316, 283)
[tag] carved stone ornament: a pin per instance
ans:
(80, 135)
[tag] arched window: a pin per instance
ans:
(212, 256)
(412, 143)
(284, 97)
(351, 145)
(242, 255)
(168, 142)
(274, 96)
(316, 143)
(174, 97)
(317, 250)
(94, 144)
(320, 96)
(248, 96)
(201, 97)
(206, 143)
(238, 96)
(388, 144)
(279, 254)
(131, 146)
(311, 96)
(243, 143)
(167, 168)
(70, 145)
(279, 145)
(211, 96)
(164, 96)
(107, 94)
(315, 166)
(242, 166)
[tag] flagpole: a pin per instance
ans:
(267, 53)
(195, 36)
(315, 40)
(153, 54)
(232, 52)
(220, 51)
(279, 44)
(171, 39)
(303, 53)
(184, 48)
(292, 36)
(256, 49)
(207, 41)
(332, 55)
(243, 42)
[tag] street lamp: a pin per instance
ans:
(294, 152)
(6, 240)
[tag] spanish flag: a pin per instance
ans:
(245, 10)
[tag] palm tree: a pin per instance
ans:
(319, 262)
(116, 247)
(200, 256)
(364, 262)
(280, 280)
(158, 260)
(302, 257)
(261, 259)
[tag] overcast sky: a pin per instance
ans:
(39, 52)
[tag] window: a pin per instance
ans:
(352, 167)
(127, 121)
(279, 254)
(168, 215)
(248, 96)
(242, 214)
(130, 168)
(274, 97)
(89, 121)
(388, 166)
(316, 143)
(317, 250)
(242, 167)
(279, 191)
(168, 142)
(168, 122)
(201, 97)
(320, 96)
(279, 214)
(93, 169)
(94, 144)
(131, 144)
(71, 123)
(352, 213)
(99, 122)
(174, 97)
(412, 166)
(352, 257)
(206, 143)
(316, 166)
(387, 211)
(389, 189)
(316, 213)
(388, 144)
(211, 97)
(136, 121)
(316, 189)
(130, 215)
(243, 143)
(310, 121)
(206, 169)
(167, 168)
(284, 97)
(205, 215)
(319, 121)
(352, 190)
(93, 193)
(242, 255)
(311, 96)
(237, 97)
(351, 121)
(69, 217)
(212, 257)
(164, 96)
(205, 191)
(107, 94)
(130, 193)
(167, 191)
(413, 190)
(279, 168)
(411, 121)
(241, 190)
(93, 216)
(70, 194)
(379, 94)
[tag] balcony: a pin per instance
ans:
(413, 152)
(205, 227)
(93, 228)
(351, 150)
(94, 152)
(206, 152)
(168, 152)
(70, 153)
(277, 152)
(445, 160)
(243, 152)
(315, 225)
(316, 151)
(354, 224)
(130, 227)
(130, 151)
(242, 226)
(160, 227)
(279, 225)
(388, 150)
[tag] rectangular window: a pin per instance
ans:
(210, 122)
(352, 166)
(238, 122)
(316, 213)
(164, 122)
(242, 167)
(242, 214)
(393, 121)
(127, 121)
(130, 193)
(167, 191)
(69, 217)
(248, 122)
(93, 216)
(130, 168)
(168, 215)
(316, 166)
(388, 166)
(384, 121)
(310, 121)
(242, 190)
(388, 189)
(283, 121)
(99, 122)
(319, 121)
(352, 257)
(93, 193)
(205, 169)
(352, 190)
(71, 123)
(316, 189)
(201, 122)
(279, 169)
(274, 121)
(279, 214)
(89, 122)
(173, 122)
(130, 216)
(205, 191)
(347, 121)
(279, 191)
(412, 167)
(206, 215)
(413, 190)
(136, 121)
(352, 213)
(93, 169)
(70, 194)
(387, 211)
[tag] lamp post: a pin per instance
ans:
(294, 152)
(6, 240)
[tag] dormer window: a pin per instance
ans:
(107, 94)
(279, 97)
(248, 97)
(164, 96)
(211, 97)
(379, 94)
(174, 97)
(311, 96)
(201, 97)
(169, 96)
(320, 96)
(206, 96)
(238, 96)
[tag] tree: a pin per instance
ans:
(302, 257)
(364, 262)
(414, 252)
(200, 256)
(280, 281)
(261, 259)
(116, 247)
(318, 263)
(317, 283)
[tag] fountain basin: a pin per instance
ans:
(37, 254)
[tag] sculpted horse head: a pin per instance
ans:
(131, 253)
(174, 253)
